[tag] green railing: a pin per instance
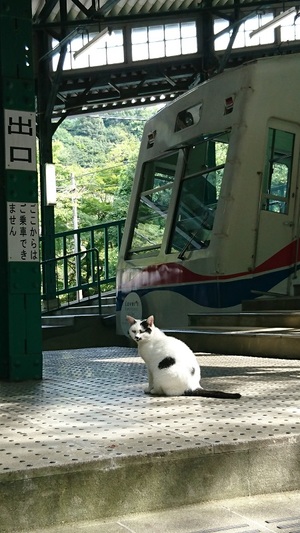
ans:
(85, 260)
(78, 286)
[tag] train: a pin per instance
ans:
(213, 218)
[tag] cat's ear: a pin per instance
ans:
(130, 319)
(150, 320)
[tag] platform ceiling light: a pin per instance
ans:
(91, 43)
(274, 23)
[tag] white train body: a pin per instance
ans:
(214, 212)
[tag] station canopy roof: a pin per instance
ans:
(214, 35)
(78, 10)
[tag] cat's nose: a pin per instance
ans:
(137, 338)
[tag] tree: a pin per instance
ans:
(101, 154)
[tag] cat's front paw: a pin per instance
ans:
(152, 390)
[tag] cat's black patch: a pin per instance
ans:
(146, 326)
(166, 362)
(193, 371)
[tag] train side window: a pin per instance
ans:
(277, 171)
(154, 199)
(199, 194)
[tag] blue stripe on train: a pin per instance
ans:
(219, 294)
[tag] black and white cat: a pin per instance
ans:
(172, 367)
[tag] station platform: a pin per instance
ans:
(86, 443)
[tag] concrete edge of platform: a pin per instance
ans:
(278, 345)
(123, 485)
(87, 331)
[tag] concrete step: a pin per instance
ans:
(269, 303)
(264, 333)
(265, 513)
(86, 310)
(80, 310)
(81, 325)
(288, 319)
(87, 305)
(109, 299)
(57, 321)
(107, 307)
(259, 342)
(80, 331)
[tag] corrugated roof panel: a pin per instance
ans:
(50, 10)
(131, 7)
(115, 8)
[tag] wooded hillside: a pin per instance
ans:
(95, 158)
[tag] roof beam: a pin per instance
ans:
(63, 42)
(82, 8)
(229, 49)
(44, 14)
(92, 12)
(55, 83)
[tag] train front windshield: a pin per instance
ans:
(193, 212)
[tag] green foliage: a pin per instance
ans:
(98, 155)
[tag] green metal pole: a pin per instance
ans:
(42, 46)
(20, 284)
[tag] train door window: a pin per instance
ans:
(277, 171)
(199, 193)
(154, 199)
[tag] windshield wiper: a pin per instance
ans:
(186, 246)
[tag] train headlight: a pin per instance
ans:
(188, 117)
(184, 119)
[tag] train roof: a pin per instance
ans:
(263, 86)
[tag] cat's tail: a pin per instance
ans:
(213, 394)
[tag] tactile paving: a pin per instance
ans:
(91, 405)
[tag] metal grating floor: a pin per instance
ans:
(91, 405)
